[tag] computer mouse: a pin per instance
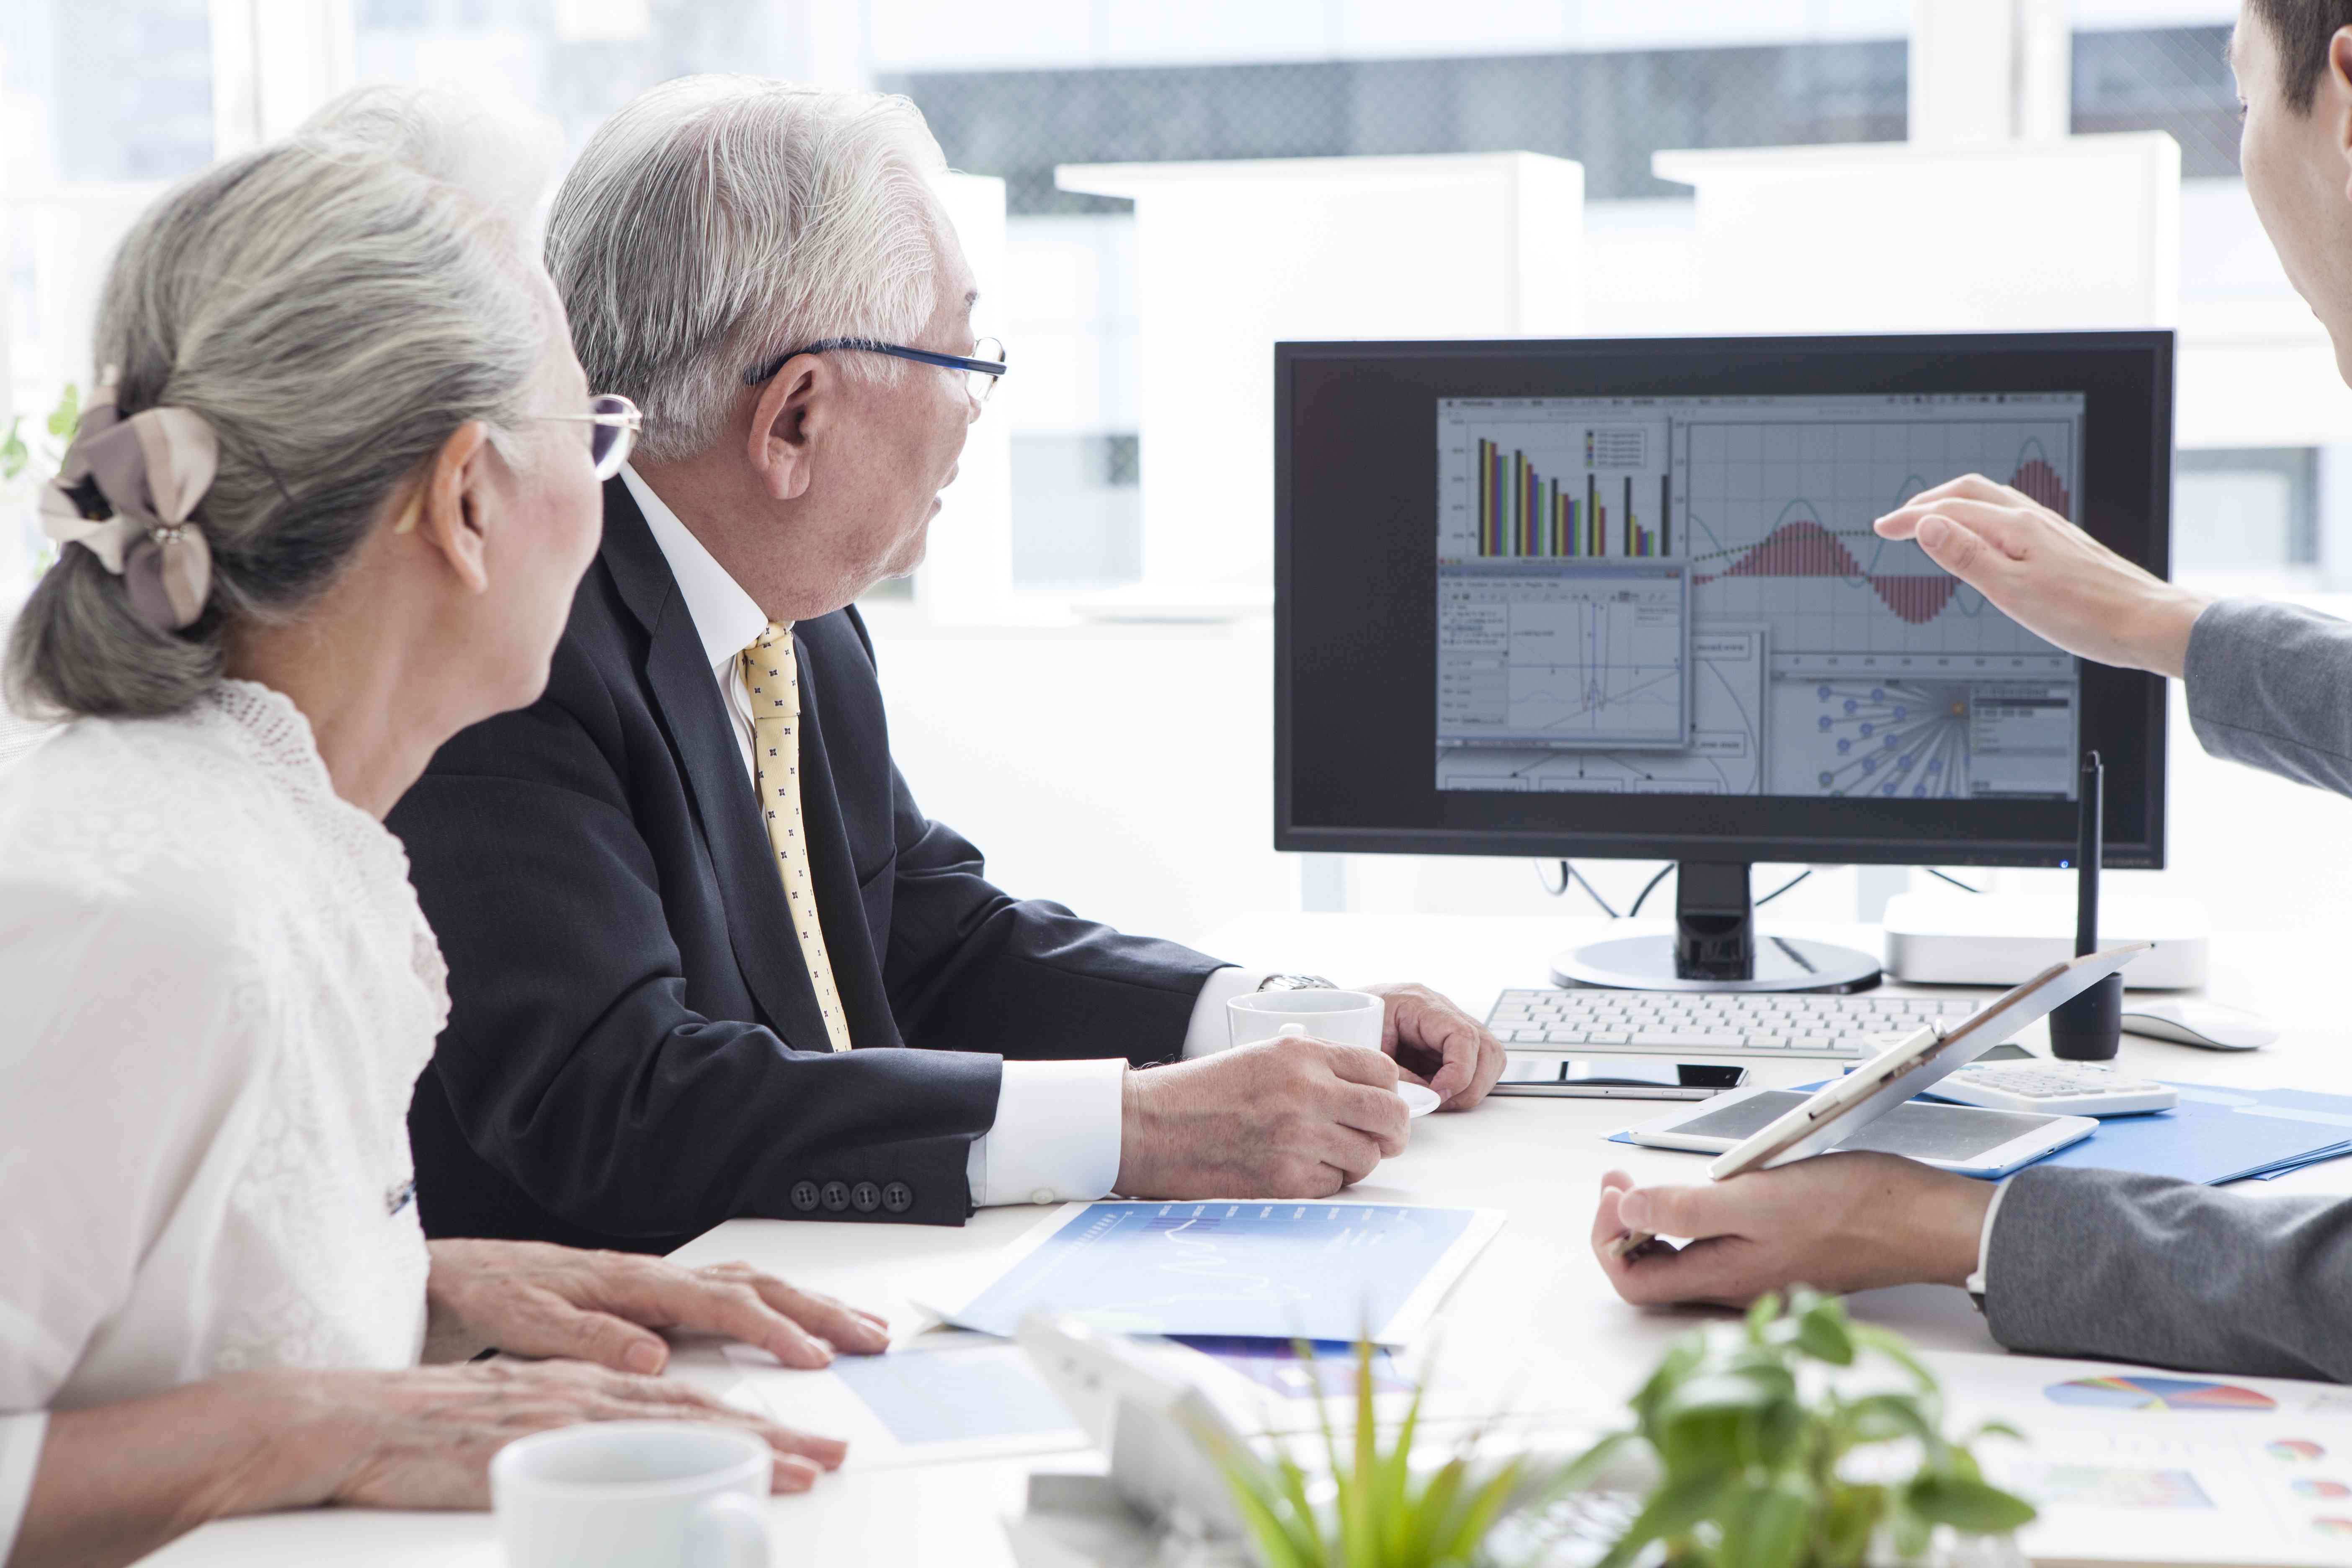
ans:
(2192, 1022)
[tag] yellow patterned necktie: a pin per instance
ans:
(772, 676)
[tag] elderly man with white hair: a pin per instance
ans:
(691, 909)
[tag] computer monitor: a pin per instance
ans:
(1621, 597)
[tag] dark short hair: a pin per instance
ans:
(2302, 30)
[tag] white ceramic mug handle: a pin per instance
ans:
(729, 1530)
(1291, 1032)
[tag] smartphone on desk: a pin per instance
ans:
(1556, 1077)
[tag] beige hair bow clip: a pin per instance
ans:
(124, 493)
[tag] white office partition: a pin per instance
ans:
(967, 576)
(1236, 256)
(2083, 231)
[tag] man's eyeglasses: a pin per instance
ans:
(614, 422)
(980, 367)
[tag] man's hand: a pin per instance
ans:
(1287, 1118)
(1438, 1044)
(530, 1299)
(1837, 1222)
(2048, 575)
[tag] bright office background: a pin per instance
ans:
(1081, 677)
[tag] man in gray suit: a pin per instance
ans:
(2101, 1263)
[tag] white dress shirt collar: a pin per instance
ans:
(724, 616)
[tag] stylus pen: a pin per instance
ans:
(2090, 849)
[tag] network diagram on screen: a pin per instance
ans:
(1685, 596)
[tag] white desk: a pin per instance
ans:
(1536, 1291)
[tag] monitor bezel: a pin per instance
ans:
(2130, 845)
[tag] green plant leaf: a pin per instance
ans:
(1746, 1388)
(1767, 1526)
(1485, 1505)
(1967, 1504)
(67, 414)
(1586, 1467)
(1671, 1511)
(14, 453)
(1762, 1313)
(1908, 1533)
(1824, 1334)
(1848, 1518)
(1680, 1361)
(1888, 1419)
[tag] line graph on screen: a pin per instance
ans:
(1778, 523)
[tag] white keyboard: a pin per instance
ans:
(1715, 1022)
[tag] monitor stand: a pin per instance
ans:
(1714, 947)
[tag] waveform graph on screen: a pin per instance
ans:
(1777, 519)
(1806, 549)
(2039, 480)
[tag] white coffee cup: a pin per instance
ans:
(634, 1494)
(1341, 1017)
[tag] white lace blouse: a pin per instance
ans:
(216, 991)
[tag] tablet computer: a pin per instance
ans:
(1829, 1117)
(1983, 1143)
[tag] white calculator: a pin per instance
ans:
(2055, 1088)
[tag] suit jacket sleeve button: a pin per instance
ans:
(835, 1196)
(805, 1197)
(865, 1198)
(897, 1198)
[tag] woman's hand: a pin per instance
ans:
(116, 1481)
(424, 1439)
(2048, 575)
(1837, 1222)
(529, 1298)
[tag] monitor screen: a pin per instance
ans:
(1629, 593)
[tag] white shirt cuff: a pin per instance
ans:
(1057, 1135)
(1976, 1282)
(20, 1455)
(1211, 1030)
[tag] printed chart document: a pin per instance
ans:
(1275, 1270)
(941, 1397)
(2133, 1466)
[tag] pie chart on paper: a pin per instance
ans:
(2159, 1393)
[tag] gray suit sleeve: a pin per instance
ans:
(2271, 685)
(2123, 1267)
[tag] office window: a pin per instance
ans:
(1077, 522)
(1611, 111)
(101, 102)
(2161, 78)
(2249, 511)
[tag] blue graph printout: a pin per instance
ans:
(1317, 1271)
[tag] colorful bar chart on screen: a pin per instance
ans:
(1522, 488)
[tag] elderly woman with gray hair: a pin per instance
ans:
(327, 509)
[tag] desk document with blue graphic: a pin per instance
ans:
(1685, 595)
(1278, 1271)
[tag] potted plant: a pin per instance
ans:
(1755, 1454)
(1756, 1447)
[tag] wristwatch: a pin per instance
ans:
(1296, 982)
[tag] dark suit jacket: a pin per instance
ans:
(635, 1052)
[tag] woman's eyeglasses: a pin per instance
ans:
(614, 422)
(980, 367)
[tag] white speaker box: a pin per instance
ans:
(2001, 938)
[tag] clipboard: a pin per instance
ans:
(1837, 1110)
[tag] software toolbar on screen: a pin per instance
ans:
(1685, 595)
